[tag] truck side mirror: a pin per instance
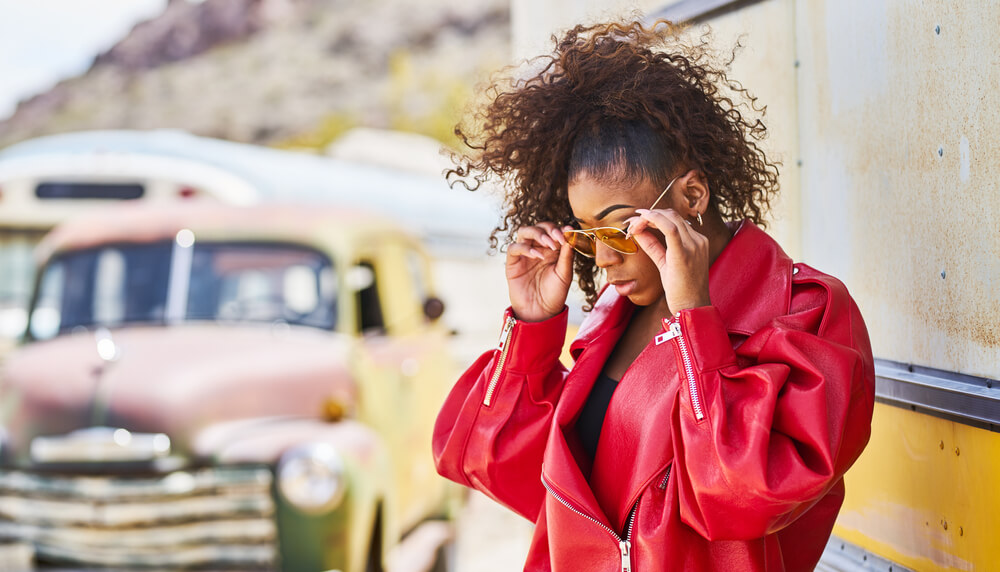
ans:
(433, 308)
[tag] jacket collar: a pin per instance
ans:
(749, 283)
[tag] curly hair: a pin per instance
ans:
(621, 102)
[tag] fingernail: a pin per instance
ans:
(642, 210)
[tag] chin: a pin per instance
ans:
(645, 298)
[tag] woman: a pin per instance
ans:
(718, 392)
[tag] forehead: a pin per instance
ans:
(593, 199)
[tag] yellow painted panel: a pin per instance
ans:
(924, 493)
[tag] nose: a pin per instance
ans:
(605, 256)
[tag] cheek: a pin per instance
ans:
(647, 275)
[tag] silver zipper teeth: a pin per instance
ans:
(631, 520)
(504, 344)
(624, 544)
(692, 383)
(663, 483)
(565, 503)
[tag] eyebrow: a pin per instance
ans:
(607, 211)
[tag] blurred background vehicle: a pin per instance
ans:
(225, 387)
(46, 180)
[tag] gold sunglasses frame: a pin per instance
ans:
(591, 233)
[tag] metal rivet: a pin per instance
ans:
(941, 444)
(944, 523)
(943, 274)
(798, 163)
(940, 151)
(796, 63)
(956, 451)
(937, 30)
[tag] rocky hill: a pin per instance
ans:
(282, 72)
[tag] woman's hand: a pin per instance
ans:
(682, 257)
(539, 272)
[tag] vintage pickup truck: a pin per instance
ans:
(224, 387)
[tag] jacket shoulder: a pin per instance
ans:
(816, 290)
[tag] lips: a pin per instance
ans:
(623, 287)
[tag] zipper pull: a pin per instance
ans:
(505, 334)
(626, 548)
(508, 327)
(671, 333)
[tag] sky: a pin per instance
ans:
(44, 41)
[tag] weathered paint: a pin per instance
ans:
(898, 123)
(923, 492)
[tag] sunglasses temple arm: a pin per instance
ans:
(628, 233)
(657, 201)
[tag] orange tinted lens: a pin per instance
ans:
(581, 242)
(618, 240)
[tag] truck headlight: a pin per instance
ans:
(311, 478)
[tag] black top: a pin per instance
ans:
(588, 426)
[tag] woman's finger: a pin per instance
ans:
(552, 230)
(537, 234)
(671, 225)
(636, 225)
(564, 266)
(524, 250)
(653, 247)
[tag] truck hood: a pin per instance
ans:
(175, 380)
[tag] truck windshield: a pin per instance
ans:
(159, 283)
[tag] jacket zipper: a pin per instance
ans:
(624, 544)
(503, 346)
(675, 333)
(663, 483)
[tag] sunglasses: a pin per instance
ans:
(585, 241)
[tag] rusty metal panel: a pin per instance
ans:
(898, 126)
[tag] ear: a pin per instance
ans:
(694, 191)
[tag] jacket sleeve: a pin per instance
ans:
(490, 434)
(766, 430)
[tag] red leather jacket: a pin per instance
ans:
(724, 443)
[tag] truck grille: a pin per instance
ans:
(220, 517)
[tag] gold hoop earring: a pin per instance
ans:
(699, 220)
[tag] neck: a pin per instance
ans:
(717, 232)
(648, 317)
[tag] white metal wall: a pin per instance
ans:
(899, 133)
